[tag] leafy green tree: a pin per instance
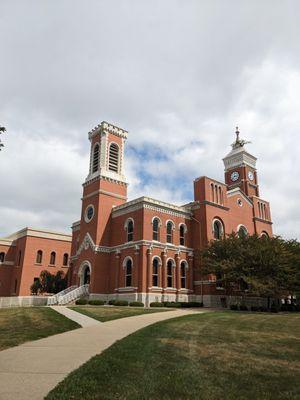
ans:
(60, 281)
(47, 282)
(2, 130)
(252, 265)
(35, 287)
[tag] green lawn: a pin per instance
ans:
(19, 325)
(103, 314)
(213, 356)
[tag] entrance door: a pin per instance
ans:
(86, 276)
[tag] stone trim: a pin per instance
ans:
(237, 191)
(118, 196)
(45, 234)
(265, 221)
(151, 204)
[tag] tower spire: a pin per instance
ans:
(238, 142)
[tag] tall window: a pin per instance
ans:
(218, 229)
(182, 235)
(242, 232)
(155, 272)
(19, 258)
(156, 224)
(183, 275)
(170, 274)
(65, 259)
(2, 257)
(170, 232)
(128, 273)
(52, 258)
(96, 152)
(39, 257)
(129, 228)
(113, 163)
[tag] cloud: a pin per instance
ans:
(178, 75)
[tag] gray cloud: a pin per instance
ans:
(178, 75)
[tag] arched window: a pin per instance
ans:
(96, 152)
(129, 224)
(65, 259)
(155, 267)
(52, 258)
(155, 230)
(19, 258)
(182, 230)
(113, 162)
(2, 256)
(264, 234)
(128, 273)
(242, 231)
(212, 192)
(170, 273)
(170, 227)
(218, 229)
(39, 257)
(183, 267)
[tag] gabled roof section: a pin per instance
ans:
(237, 191)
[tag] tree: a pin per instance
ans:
(252, 265)
(49, 283)
(2, 130)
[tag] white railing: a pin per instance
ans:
(74, 294)
(54, 299)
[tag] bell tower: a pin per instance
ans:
(240, 168)
(105, 186)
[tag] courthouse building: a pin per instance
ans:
(143, 249)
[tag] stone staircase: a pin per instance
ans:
(69, 295)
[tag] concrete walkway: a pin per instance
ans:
(31, 370)
(82, 320)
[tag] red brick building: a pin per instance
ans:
(26, 253)
(143, 249)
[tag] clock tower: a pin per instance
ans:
(240, 168)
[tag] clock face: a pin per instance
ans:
(250, 175)
(234, 176)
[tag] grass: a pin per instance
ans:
(222, 355)
(103, 313)
(19, 325)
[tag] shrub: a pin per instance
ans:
(254, 308)
(81, 302)
(243, 307)
(172, 304)
(96, 302)
(191, 304)
(263, 309)
(112, 302)
(274, 308)
(136, 304)
(156, 304)
(121, 303)
(234, 307)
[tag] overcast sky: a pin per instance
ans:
(178, 75)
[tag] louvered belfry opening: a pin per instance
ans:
(113, 164)
(96, 158)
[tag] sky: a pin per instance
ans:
(178, 75)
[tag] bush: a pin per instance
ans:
(263, 309)
(234, 307)
(112, 302)
(136, 304)
(81, 302)
(191, 304)
(243, 307)
(254, 308)
(156, 304)
(172, 304)
(121, 303)
(96, 302)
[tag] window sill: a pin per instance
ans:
(127, 289)
(38, 264)
(51, 265)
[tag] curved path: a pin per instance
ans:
(31, 370)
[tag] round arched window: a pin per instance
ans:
(218, 229)
(242, 232)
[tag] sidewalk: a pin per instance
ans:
(31, 370)
(82, 320)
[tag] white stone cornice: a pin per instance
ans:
(86, 243)
(152, 204)
(107, 127)
(147, 243)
